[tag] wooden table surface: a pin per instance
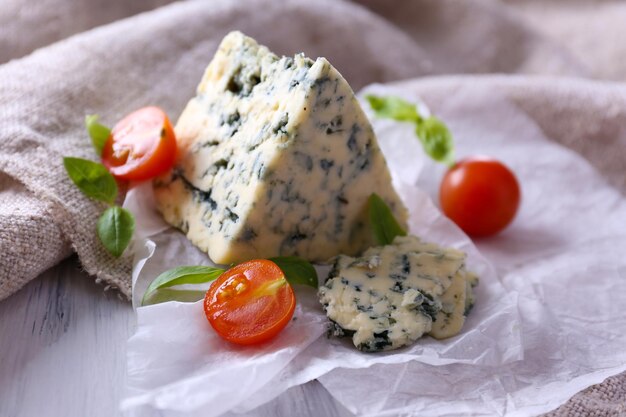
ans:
(63, 353)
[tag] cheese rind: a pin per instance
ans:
(393, 295)
(276, 157)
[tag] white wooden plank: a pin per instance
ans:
(62, 343)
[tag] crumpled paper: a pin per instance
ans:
(561, 257)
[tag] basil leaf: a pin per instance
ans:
(394, 108)
(434, 135)
(384, 224)
(169, 294)
(296, 270)
(92, 178)
(436, 140)
(182, 275)
(97, 132)
(115, 229)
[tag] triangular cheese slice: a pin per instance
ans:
(275, 158)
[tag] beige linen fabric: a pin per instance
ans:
(591, 30)
(28, 25)
(151, 58)
(158, 57)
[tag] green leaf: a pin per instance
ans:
(436, 140)
(296, 270)
(384, 224)
(182, 275)
(169, 294)
(92, 178)
(434, 135)
(115, 229)
(394, 108)
(97, 132)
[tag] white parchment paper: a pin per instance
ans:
(561, 258)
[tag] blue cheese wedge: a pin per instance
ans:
(276, 157)
(393, 295)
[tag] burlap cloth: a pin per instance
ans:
(569, 58)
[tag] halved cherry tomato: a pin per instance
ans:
(250, 303)
(481, 195)
(141, 146)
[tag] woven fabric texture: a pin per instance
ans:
(102, 57)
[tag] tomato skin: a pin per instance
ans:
(141, 146)
(250, 303)
(481, 195)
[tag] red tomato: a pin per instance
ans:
(141, 146)
(250, 303)
(481, 195)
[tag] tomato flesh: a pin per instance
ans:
(250, 303)
(481, 195)
(141, 146)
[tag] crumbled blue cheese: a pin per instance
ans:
(393, 295)
(456, 303)
(276, 157)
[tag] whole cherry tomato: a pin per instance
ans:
(141, 146)
(481, 195)
(250, 303)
